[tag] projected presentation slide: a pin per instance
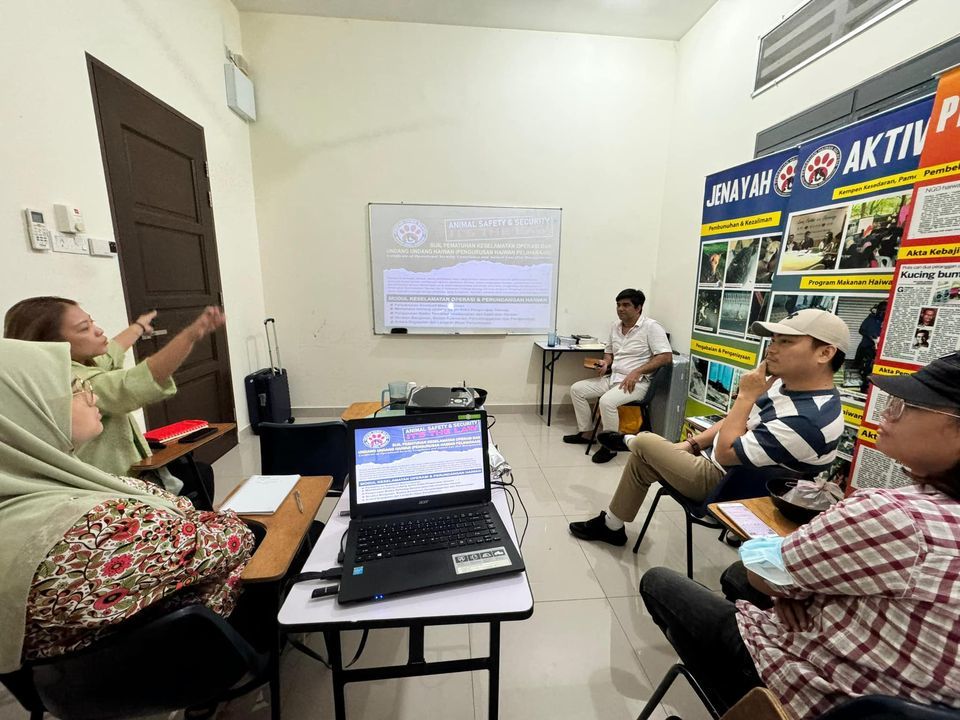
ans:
(408, 461)
(441, 268)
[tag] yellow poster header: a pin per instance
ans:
(847, 282)
(852, 415)
(750, 222)
(867, 435)
(745, 357)
(950, 251)
(891, 181)
(890, 371)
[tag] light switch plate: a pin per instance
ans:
(102, 248)
(75, 244)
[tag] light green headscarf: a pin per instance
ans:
(44, 489)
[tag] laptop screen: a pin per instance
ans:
(418, 458)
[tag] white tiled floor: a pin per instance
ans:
(589, 651)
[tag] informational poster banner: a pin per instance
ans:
(740, 242)
(923, 318)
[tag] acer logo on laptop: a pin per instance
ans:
(423, 502)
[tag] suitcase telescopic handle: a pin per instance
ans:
(266, 328)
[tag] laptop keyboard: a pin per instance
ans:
(437, 532)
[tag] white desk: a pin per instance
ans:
(555, 352)
(484, 601)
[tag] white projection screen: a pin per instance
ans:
(458, 269)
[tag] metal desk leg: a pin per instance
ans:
(543, 371)
(332, 639)
(275, 659)
(554, 356)
(493, 711)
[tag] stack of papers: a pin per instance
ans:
(261, 494)
(746, 520)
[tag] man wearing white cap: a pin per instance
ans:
(787, 413)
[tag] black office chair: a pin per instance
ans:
(187, 658)
(738, 484)
(306, 449)
(659, 382)
(865, 707)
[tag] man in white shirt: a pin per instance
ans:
(636, 347)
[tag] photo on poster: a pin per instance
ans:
(708, 310)
(813, 240)
(735, 384)
(734, 312)
(848, 438)
(788, 303)
(864, 316)
(759, 302)
(699, 369)
(838, 473)
(769, 259)
(947, 293)
(922, 338)
(928, 317)
(719, 383)
(713, 263)
(874, 232)
(742, 262)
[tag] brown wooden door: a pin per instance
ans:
(157, 180)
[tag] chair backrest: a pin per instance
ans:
(191, 656)
(885, 707)
(306, 449)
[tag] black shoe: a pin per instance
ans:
(613, 441)
(575, 439)
(603, 455)
(732, 540)
(596, 529)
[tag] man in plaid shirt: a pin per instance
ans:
(866, 596)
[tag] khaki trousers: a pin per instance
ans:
(654, 459)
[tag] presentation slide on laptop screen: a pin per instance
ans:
(407, 461)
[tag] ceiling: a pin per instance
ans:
(660, 19)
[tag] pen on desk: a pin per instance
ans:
(296, 496)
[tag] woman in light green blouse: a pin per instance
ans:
(120, 391)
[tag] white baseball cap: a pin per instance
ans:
(818, 324)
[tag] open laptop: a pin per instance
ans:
(420, 508)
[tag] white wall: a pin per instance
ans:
(716, 121)
(51, 151)
(352, 112)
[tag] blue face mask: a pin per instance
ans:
(762, 556)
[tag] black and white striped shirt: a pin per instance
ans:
(796, 430)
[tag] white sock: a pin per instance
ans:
(627, 439)
(612, 521)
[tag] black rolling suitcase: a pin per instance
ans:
(268, 390)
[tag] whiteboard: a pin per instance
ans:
(464, 269)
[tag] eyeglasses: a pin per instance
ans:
(83, 387)
(895, 406)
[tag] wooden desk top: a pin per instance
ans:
(764, 509)
(285, 529)
(175, 449)
(360, 410)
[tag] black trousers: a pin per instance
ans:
(702, 628)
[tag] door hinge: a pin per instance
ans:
(210, 198)
(206, 168)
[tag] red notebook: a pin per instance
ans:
(175, 430)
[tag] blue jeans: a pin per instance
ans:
(702, 628)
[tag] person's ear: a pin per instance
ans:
(825, 354)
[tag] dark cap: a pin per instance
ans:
(936, 385)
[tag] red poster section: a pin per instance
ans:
(923, 317)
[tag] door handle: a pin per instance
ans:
(155, 333)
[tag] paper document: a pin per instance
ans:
(591, 346)
(261, 494)
(745, 519)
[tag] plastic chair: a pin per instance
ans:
(189, 657)
(739, 483)
(306, 449)
(659, 382)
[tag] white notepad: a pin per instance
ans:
(261, 494)
(746, 520)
